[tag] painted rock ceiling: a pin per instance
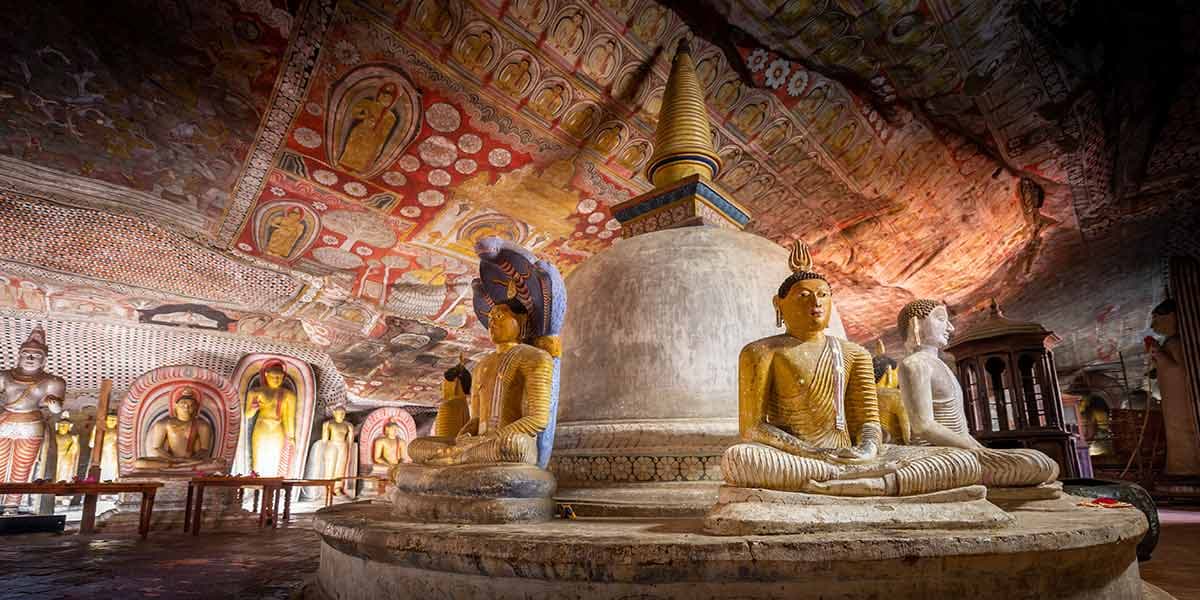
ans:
(317, 172)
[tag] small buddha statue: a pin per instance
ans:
(108, 450)
(180, 442)
(511, 394)
(67, 444)
(933, 399)
(892, 416)
(337, 436)
(390, 450)
(809, 414)
(275, 426)
(1170, 370)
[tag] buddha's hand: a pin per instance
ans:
(864, 451)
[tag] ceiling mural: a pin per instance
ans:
(318, 172)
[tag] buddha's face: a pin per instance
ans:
(339, 415)
(1167, 324)
(110, 421)
(185, 408)
(806, 307)
(392, 431)
(31, 360)
(503, 324)
(936, 328)
(385, 97)
(273, 377)
(63, 428)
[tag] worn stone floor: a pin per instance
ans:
(274, 564)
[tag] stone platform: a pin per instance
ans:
(1069, 552)
(500, 493)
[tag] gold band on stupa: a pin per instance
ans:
(683, 140)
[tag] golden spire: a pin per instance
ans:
(683, 140)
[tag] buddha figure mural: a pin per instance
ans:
(108, 453)
(284, 230)
(181, 442)
(1179, 414)
(272, 407)
(501, 452)
(66, 466)
(933, 399)
(809, 414)
(24, 391)
(372, 122)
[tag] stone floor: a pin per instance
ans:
(274, 564)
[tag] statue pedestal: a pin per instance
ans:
(503, 493)
(221, 508)
(1076, 554)
(750, 511)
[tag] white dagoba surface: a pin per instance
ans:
(649, 377)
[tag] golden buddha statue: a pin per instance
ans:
(283, 230)
(373, 122)
(809, 415)
(389, 450)
(337, 436)
(933, 399)
(511, 397)
(892, 416)
(67, 443)
(180, 442)
(275, 428)
(108, 451)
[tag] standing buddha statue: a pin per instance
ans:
(275, 428)
(809, 416)
(933, 399)
(24, 391)
(66, 441)
(108, 453)
(337, 436)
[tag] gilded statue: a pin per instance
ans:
(283, 231)
(337, 436)
(514, 77)
(274, 431)
(180, 441)
(108, 451)
(809, 415)
(892, 416)
(389, 450)
(373, 121)
(933, 400)
(1170, 370)
(511, 393)
(24, 391)
(66, 467)
(454, 413)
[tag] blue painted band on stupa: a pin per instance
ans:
(697, 188)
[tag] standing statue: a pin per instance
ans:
(180, 442)
(66, 468)
(337, 437)
(809, 416)
(1179, 412)
(274, 430)
(933, 399)
(108, 453)
(24, 391)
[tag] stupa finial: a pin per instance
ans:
(683, 140)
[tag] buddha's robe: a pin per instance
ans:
(834, 409)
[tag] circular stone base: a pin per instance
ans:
(498, 493)
(1074, 553)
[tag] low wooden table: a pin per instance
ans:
(269, 485)
(91, 491)
(288, 484)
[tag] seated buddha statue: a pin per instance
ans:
(933, 399)
(453, 414)
(511, 396)
(389, 450)
(180, 442)
(809, 416)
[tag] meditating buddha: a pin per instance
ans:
(510, 401)
(809, 416)
(180, 442)
(933, 400)
(389, 450)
